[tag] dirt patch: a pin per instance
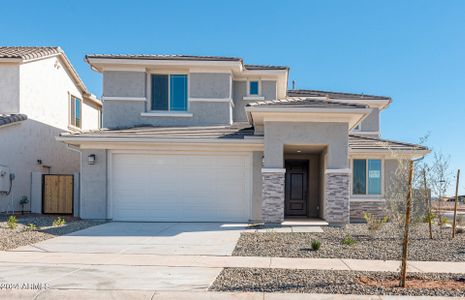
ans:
(414, 283)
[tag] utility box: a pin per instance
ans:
(4, 179)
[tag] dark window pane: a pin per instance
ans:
(374, 177)
(254, 88)
(78, 113)
(159, 92)
(359, 178)
(178, 92)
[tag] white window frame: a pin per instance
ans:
(254, 97)
(366, 195)
(151, 112)
(70, 116)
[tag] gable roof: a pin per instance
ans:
(365, 143)
(6, 119)
(306, 103)
(334, 95)
(24, 54)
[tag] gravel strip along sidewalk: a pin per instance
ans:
(381, 245)
(319, 281)
(22, 236)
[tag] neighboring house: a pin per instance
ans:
(195, 138)
(41, 95)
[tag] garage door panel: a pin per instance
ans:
(167, 187)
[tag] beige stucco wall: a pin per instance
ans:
(332, 135)
(21, 145)
(9, 88)
(44, 87)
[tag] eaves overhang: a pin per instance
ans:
(258, 115)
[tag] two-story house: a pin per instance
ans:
(200, 138)
(41, 95)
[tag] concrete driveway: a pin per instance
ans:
(93, 259)
(147, 238)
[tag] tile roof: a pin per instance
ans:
(265, 67)
(306, 103)
(27, 53)
(358, 142)
(164, 57)
(185, 58)
(6, 119)
(333, 95)
(235, 131)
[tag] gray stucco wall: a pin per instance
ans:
(93, 202)
(269, 89)
(121, 114)
(257, 187)
(371, 122)
(334, 135)
(124, 84)
(209, 85)
(240, 91)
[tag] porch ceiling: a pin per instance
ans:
(304, 149)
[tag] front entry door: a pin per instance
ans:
(296, 186)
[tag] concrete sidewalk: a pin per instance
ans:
(73, 294)
(121, 259)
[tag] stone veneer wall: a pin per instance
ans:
(357, 208)
(336, 204)
(273, 196)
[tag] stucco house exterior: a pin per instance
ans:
(201, 138)
(41, 95)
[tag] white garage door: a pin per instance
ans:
(166, 187)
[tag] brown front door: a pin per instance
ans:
(296, 186)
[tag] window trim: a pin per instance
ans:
(149, 93)
(366, 195)
(259, 87)
(70, 114)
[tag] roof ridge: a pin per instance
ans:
(387, 140)
(297, 91)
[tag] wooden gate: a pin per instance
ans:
(57, 197)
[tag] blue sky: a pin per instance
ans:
(413, 51)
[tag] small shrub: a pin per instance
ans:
(31, 227)
(443, 220)
(58, 222)
(348, 240)
(429, 217)
(316, 245)
(460, 230)
(11, 222)
(373, 222)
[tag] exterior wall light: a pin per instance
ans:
(91, 159)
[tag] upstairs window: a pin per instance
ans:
(366, 177)
(253, 88)
(75, 111)
(169, 92)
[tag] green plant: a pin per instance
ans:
(443, 220)
(11, 222)
(348, 240)
(374, 223)
(316, 245)
(58, 222)
(31, 227)
(429, 217)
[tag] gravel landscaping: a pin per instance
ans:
(23, 236)
(381, 245)
(337, 282)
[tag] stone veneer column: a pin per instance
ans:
(273, 195)
(336, 205)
